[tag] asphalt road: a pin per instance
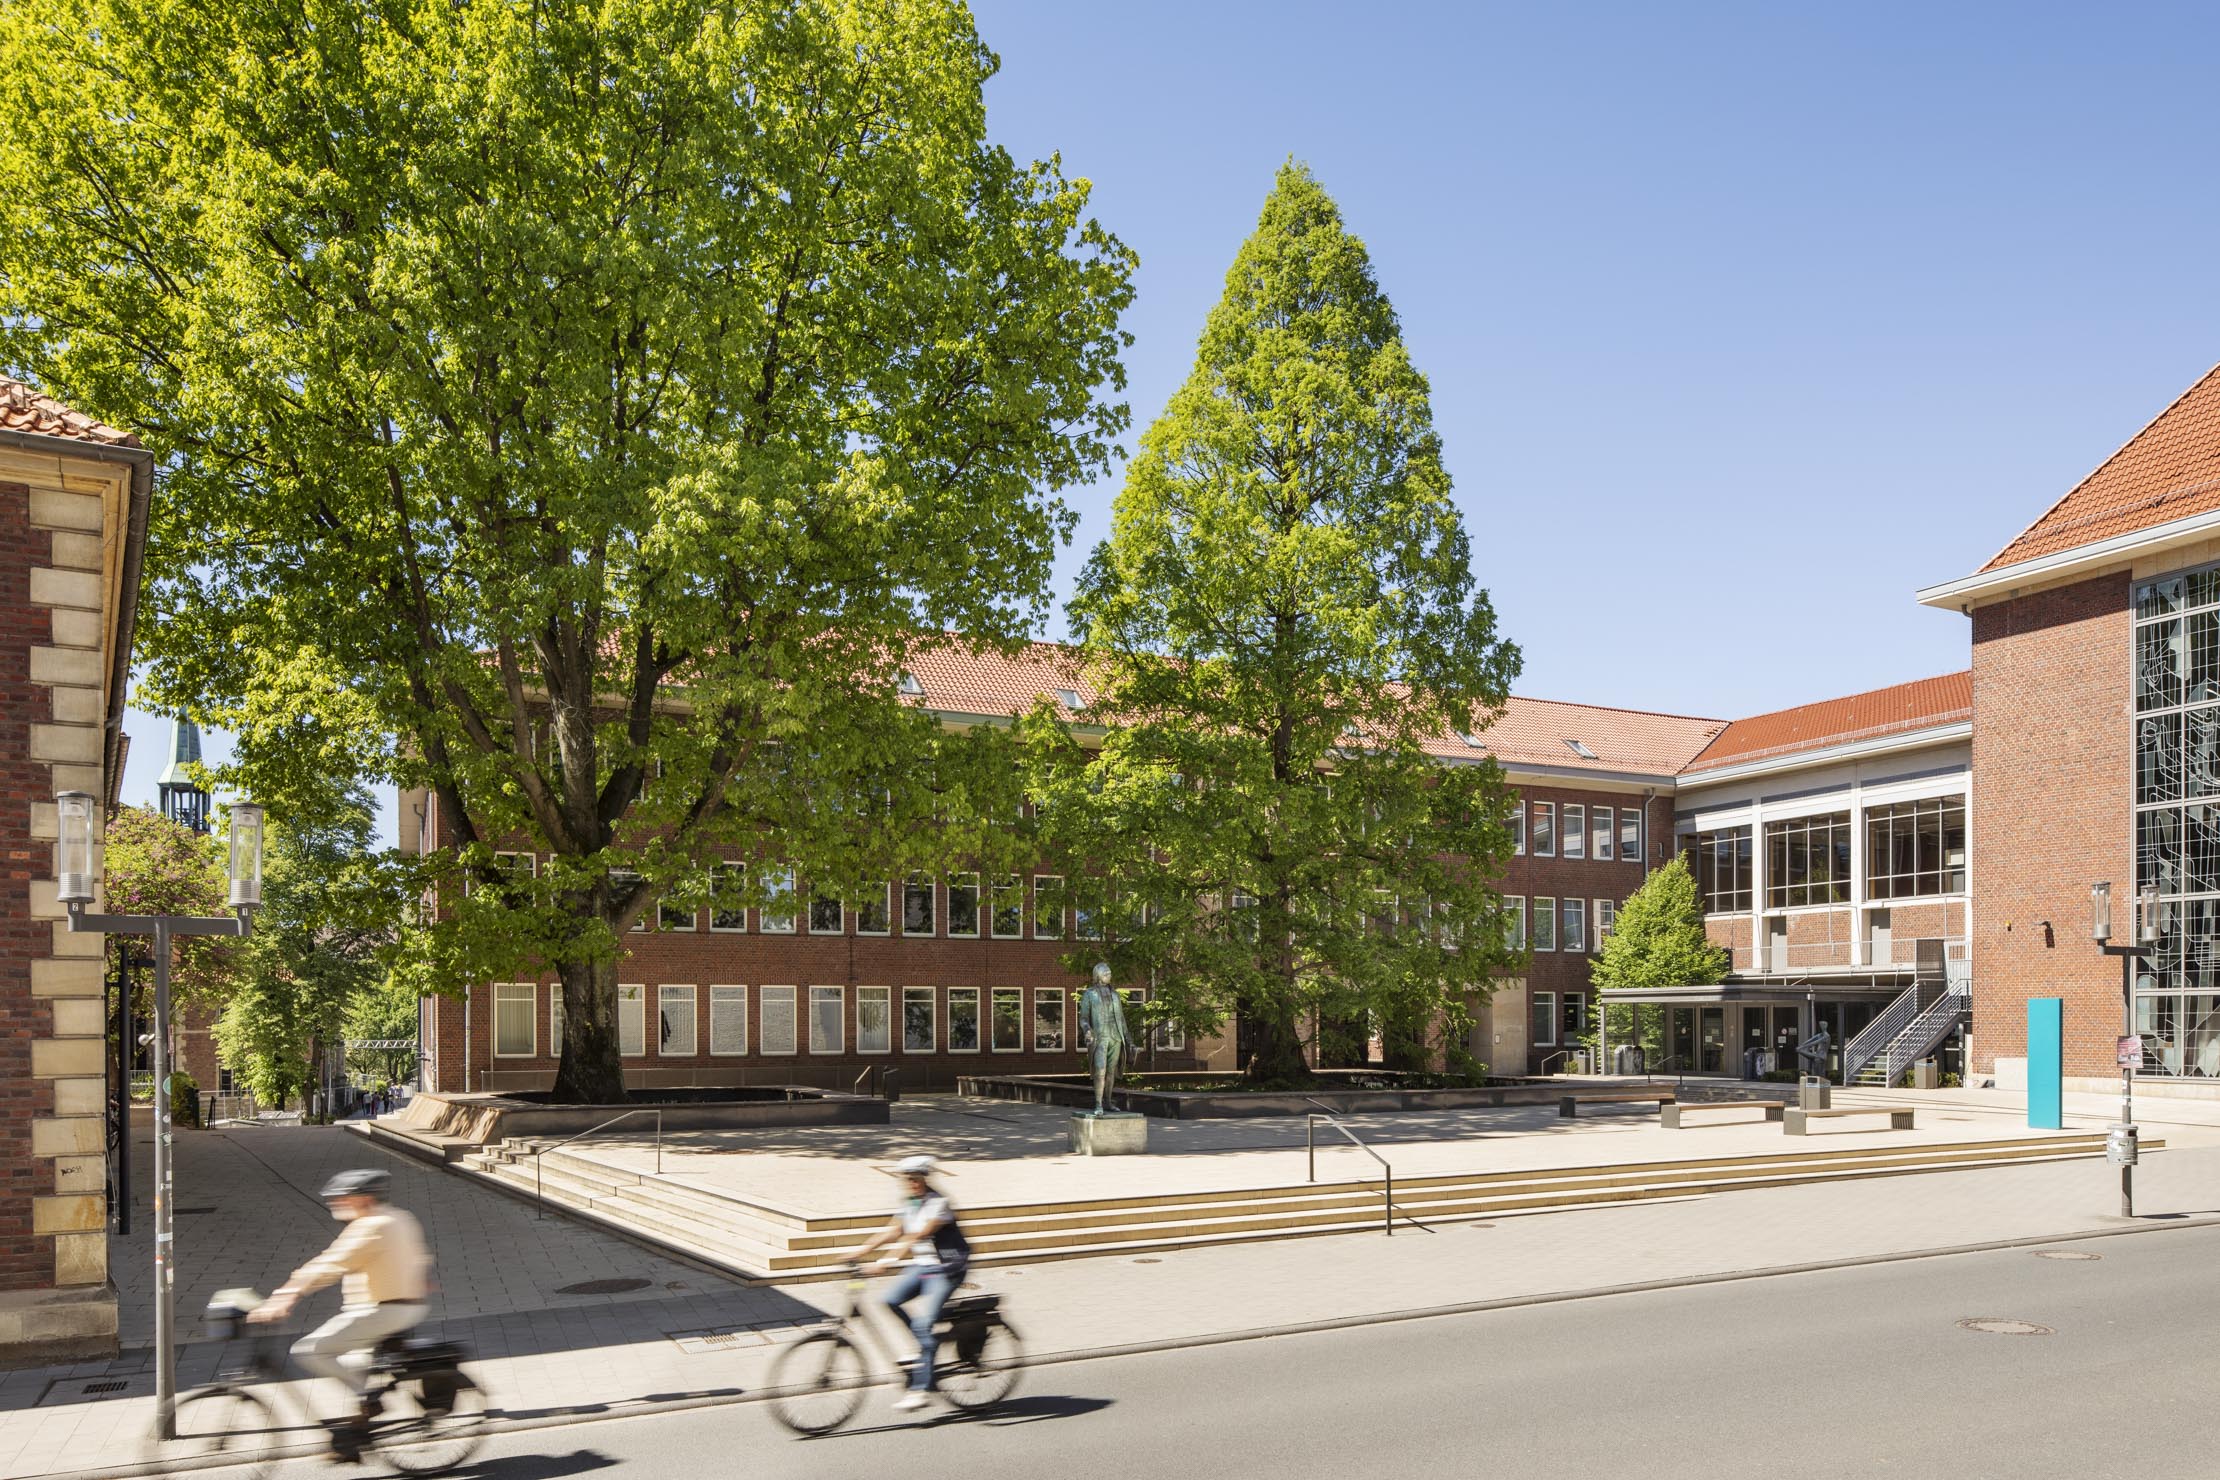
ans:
(1844, 1373)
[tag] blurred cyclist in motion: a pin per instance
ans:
(939, 1254)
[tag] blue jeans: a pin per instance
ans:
(936, 1286)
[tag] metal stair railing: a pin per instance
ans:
(1873, 1039)
(1310, 1137)
(1926, 1030)
(539, 1196)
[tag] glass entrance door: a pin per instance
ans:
(1712, 1056)
(1684, 1037)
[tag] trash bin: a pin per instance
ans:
(1627, 1059)
(1750, 1066)
(1813, 1093)
(1925, 1075)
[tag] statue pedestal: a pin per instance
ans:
(1813, 1093)
(1112, 1133)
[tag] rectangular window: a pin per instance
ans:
(827, 1034)
(1545, 923)
(963, 1019)
(675, 914)
(728, 1021)
(727, 910)
(1807, 861)
(1048, 907)
(515, 877)
(874, 1020)
(1915, 849)
(1086, 911)
(1544, 1019)
(1008, 922)
(1606, 839)
(917, 905)
(917, 1020)
(1544, 836)
(871, 909)
(622, 881)
(826, 916)
(776, 1029)
(1574, 937)
(1575, 1016)
(1607, 916)
(1630, 836)
(1518, 830)
(1576, 830)
(1009, 1020)
(1723, 871)
(1514, 920)
(555, 1020)
(675, 1038)
(1048, 1020)
(515, 1008)
(631, 1021)
(963, 906)
(777, 914)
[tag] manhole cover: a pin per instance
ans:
(2065, 1254)
(1148, 1259)
(603, 1287)
(2003, 1326)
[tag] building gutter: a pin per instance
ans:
(131, 569)
(1967, 592)
(1827, 755)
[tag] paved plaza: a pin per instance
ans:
(503, 1273)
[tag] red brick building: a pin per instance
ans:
(73, 504)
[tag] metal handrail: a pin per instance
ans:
(1869, 1042)
(1675, 1064)
(868, 1071)
(1310, 1137)
(1563, 1053)
(539, 1199)
(1923, 1030)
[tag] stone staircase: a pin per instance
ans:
(758, 1241)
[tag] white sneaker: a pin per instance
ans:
(909, 1402)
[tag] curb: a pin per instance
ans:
(598, 1413)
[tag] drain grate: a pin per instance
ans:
(712, 1339)
(189, 1212)
(94, 1389)
(2066, 1254)
(603, 1287)
(2003, 1326)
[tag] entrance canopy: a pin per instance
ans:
(1753, 994)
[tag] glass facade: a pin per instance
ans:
(1916, 849)
(1807, 861)
(1723, 870)
(2177, 818)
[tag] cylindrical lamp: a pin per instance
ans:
(2100, 912)
(246, 856)
(2146, 915)
(76, 813)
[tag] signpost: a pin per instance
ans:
(2120, 1144)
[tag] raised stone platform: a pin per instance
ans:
(1112, 1133)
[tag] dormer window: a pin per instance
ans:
(910, 688)
(1471, 739)
(1069, 698)
(1581, 750)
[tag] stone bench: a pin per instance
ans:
(1569, 1105)
(1796, 1121)
(1670, 1115)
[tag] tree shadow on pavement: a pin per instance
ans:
(1033, 1409)
(536, 1466)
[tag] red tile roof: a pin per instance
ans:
(25, 410)
(1919, 705)
(2167, 471)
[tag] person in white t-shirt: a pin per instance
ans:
(925, 1230)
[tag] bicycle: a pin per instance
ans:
(821, 1379)
(431, 1414)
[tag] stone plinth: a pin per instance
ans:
(1813, 1094)
(1112, 1133)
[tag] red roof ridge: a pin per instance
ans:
(1736, 749)
(1701, 719)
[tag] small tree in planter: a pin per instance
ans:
(1657, 940)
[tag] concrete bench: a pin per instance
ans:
(1669, 1116)
(1796, 1121)
(1568, 1105)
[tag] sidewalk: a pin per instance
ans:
(544, 1352)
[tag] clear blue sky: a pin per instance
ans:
(1743, 321)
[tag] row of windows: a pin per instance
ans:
(2177, 821)
(1007, 1023)
(1913, 850)
(1602, 832)
(1547, 1012)
(1559, 924)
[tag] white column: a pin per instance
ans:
(1857, 876)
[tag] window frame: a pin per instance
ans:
(838, 996)
(885, 996)
(555, 1019)
(1574, 841)
(931, 998)
(504, 996)
(634, 995)
(1603, 833)
(768, 923)
(664, 992)
(1572, 924)
(664, 904)
(1514, 905)
(765, 995)
(886, 910)
(1006, 884)
(955, 888)
(721, 871)
(1535, 942)
(996, 996)
(1606, 919)
(1543, 830)
(978, 1020)
(1537, 1013)
(1055, 893)
(1041, 997)
(910, 888)
(1518, 828)
(1630, 834)
(723, 992)
(815, 900)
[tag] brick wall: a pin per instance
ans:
(26, 1262)
(2053, 772)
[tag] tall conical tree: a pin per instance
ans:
(1282, 619)
(1657, 939)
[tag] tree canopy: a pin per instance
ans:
(1657, 938)
(154, 866)
(1281, 624)
(580, 415)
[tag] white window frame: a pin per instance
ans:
(1604, 827)
(725, 870)
(693, 917)
(809, 911)
(1630, 821)
(886, 896)
(1545, 908)
(665, 995)
(994, 995)
(765, 996)
(632, 1003)
(978, 907)
(1572, 839)
(1063, 1019)
(1606, 920)
(978, 1020)
(1572, 920)
(734, 997)
(1518, 828)
(839, 997)
(930, 996)
(505, 995)
(1056, 892)
(626, 878)
(884, 996)
(555, 1019)
(1013, 883)
(1549, 1017)
(932, 905)
(777, 881)
(1539, 809)
(531, 865)
(1515, 905)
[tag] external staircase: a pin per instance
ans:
(760, 1241)
(1907, 1030)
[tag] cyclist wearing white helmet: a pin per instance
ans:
(380, 1263)
(939, 1254)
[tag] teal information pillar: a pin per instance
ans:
(2046, 1048)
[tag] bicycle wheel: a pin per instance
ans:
(433, 1421)
(988, 1378)
(820, 1381)
(215, 1424)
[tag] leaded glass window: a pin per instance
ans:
(2176, 655)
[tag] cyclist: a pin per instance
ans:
(939, 1254)
(382, 1267)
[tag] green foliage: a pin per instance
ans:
(1281, 622)
(1656, 940)
(158, 867)
(555, 398)
(184, 1099)
(383, 1011)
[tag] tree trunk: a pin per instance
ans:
(1277, 1057)
(591, 1073)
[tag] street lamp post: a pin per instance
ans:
(78, 821)
(2122, 1141)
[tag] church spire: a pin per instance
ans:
(182, 798)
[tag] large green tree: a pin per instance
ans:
(1281, 623)
(582, 413)
(1657, 939)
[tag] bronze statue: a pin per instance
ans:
(1102, 1017)
(1814, 1052)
